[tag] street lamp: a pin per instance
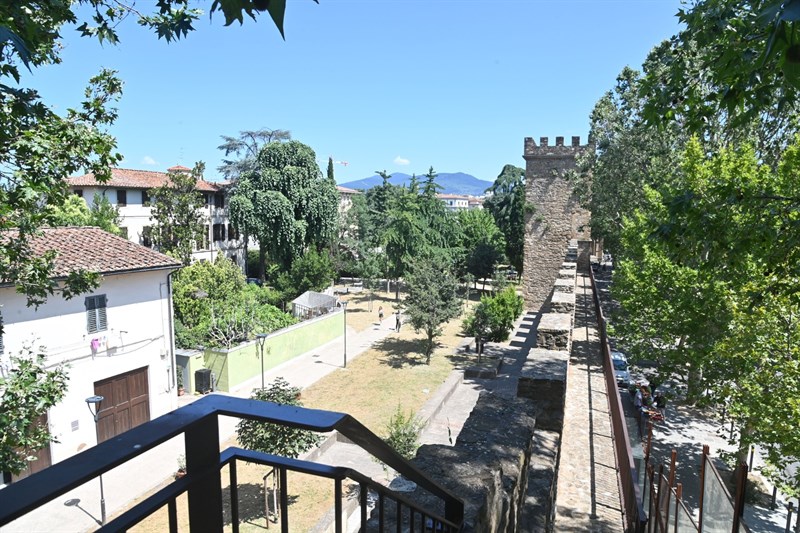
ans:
(344, 307)
(95, 401)
(262, 339)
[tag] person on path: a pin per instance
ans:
(399, 322)
(380, 314)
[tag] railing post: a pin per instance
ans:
(205, 494)
(789, 517)
(738, 502)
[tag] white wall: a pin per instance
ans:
(138, 335)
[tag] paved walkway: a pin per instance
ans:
(587, 498)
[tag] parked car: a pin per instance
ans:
(621, 371)
(255, 281)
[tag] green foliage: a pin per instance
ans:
(432, 300)
(75, 212)
(27, 391)
(271, 438)
(176, 210)
(493, 318)
(708, 287)
(507, 207)
(402, 433)
(312, 271)
(286, 203)
(215, 307)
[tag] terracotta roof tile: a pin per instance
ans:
(123, 178)
(96, 250)
(347, 190)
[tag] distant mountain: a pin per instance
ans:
(452, 182)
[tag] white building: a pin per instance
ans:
(457, 202)
(345, 198)
(117, 340)
(128, 190)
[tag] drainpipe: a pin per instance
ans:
(173, 380)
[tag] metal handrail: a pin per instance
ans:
(37, 489)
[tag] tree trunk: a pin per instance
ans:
(397, 290)
(262, 262)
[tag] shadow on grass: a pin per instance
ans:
(398, 353)
(251, 504)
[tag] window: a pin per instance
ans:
(202, 240)
(219, 232)
(78, 193)
(122, 197)
(207, 199)
(147, 236)
(145, 198)
(123, 232)
(233, 233)
(219, 200)
(96, 313)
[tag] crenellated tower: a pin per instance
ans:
(556, 218)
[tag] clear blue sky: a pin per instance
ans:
(383, 84)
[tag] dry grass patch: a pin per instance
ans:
(391, 373)
(362, 308)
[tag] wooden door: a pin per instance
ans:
(125, 405)
(42, 456)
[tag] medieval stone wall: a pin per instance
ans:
(556, 219)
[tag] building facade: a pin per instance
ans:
(116, 341)
(459, 202)
(128, 190)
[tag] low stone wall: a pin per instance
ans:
(563, 302)
(487, 467)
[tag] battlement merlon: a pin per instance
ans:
(544, 149)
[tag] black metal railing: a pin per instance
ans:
(199, 423)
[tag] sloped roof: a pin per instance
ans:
(347, 190)
(313, 300)
(123, 178)
(96, 250)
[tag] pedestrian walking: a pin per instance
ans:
(399, 322)
(380, 314)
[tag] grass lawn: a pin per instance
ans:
(393, 372)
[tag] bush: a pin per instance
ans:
(403, 433)
(214, 306)
(493, 318)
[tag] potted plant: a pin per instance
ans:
(181, 390)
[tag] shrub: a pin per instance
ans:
(493, 318)
(403, 432)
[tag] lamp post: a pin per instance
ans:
(262, 339)
(96, 401)
(344, 308)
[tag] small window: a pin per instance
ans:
(78, 193)
(123, 232)
(219, 232)
(145, 198)
(147, 236)
(122, 197)
(219, 200)
(96, 313)
(233, 233)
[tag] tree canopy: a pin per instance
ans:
(175, 209)
(285, 203)
(507, 206)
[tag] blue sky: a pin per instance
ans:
(382, 84)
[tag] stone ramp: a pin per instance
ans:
(587, 498)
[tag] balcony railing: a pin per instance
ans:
(202, 483)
